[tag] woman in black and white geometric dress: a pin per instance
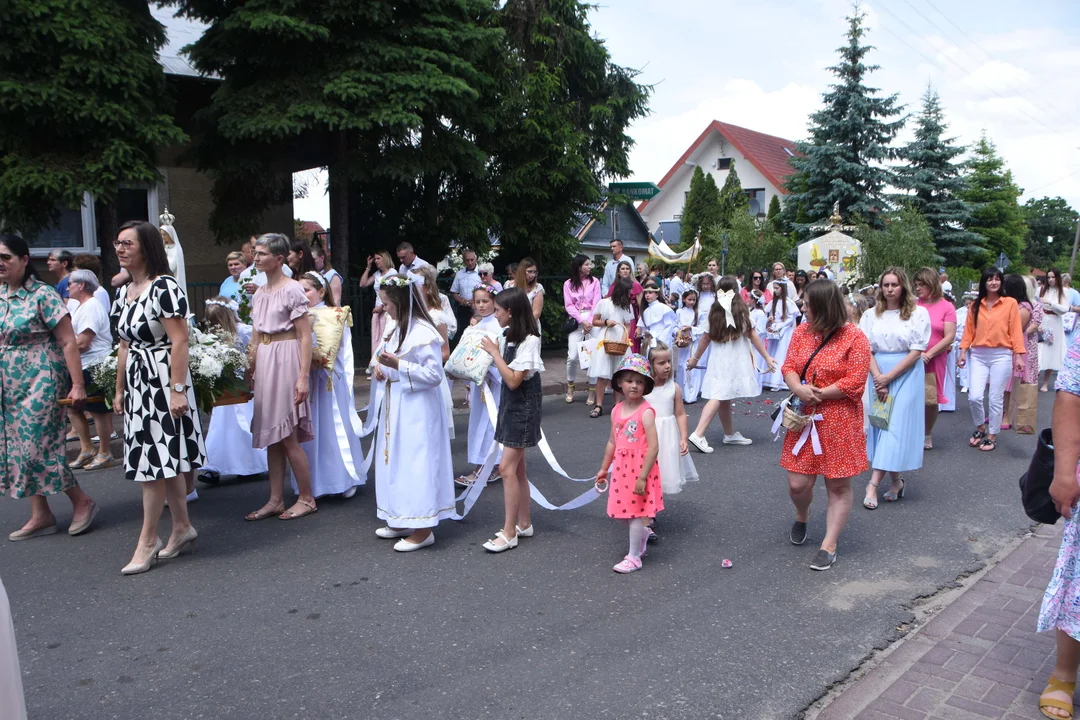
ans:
(163, 439)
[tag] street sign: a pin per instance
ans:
(635, 190)
(1003, 262)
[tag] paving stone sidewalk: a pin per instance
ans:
(980, 657)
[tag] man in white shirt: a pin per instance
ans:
(676, 287)
(465, 279)
(612, 267)
(407, 256)
(94, 338)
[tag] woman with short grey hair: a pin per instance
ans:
(487, 275)
(93, 335)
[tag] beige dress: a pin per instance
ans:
(277, 368)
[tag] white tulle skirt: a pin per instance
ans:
(676, 469)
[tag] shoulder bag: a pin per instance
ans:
(783, 405)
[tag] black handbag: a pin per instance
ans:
(1035, 483)
(570, 325)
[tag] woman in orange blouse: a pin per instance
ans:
(994, 338)
(832, 388)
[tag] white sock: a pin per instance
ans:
(638, 537)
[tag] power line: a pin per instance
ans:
(1061, 114)
(1055, 182)
(957, 64)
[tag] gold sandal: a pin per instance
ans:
(1055, 685)
(569, 393)
(99, 461)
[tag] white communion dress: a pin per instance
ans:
(676, 469)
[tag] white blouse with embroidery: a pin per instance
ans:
(888, 333)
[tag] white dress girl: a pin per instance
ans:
(414, 476)
(676, 469)
(603, 365)
(660, 322)
(732, 371)
(780, 329)
(760, 321)
(335, 454)
(1052, 356)
(688, 380)
(446, 317)
(538, 289)
(481, 429)
(228, 441)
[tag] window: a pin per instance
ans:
(74, 232)
(788, 151)
(77, 229)
(723, 164)
(757, 201)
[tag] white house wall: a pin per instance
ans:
(669, 202)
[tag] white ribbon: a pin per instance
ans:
(725, 298)
(809, 431)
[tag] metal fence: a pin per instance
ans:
(362, 300)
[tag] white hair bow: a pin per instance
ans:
(414, 279)
(725, 298)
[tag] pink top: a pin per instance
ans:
(579, 304)
(274, 312)
(940, 311)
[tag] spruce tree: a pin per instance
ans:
(849, 141)
(733, 200)
(772, 218)
(702, 210)
(83, 106)
(935, 183)
(993, 195)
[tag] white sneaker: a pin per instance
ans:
(349, 493)
(737, 439)
(963, 389)
(700, 443)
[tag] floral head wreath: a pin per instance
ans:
(230, 305)
(409, 278)
(489, 289)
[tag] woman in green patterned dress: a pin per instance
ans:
(40, 360)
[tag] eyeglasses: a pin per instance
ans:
(757, 277)
(120, 244)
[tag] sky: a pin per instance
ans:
(1007, 68)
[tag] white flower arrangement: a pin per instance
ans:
(218, 369)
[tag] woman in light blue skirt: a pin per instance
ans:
(899, 332)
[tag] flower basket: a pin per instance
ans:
(618, 348)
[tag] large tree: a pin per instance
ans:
(993, 195)
(558, 126)
(903, 240)
(1049, 218)
(843, 161)
(378, 91)
(935, 184)
(83, 107)
(702, 209)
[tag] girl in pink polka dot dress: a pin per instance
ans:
(634, 493)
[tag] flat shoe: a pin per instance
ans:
(494, 547)
(99, 462)
(404, 545)
(525, 532)
(85, 524)
(628, 565)
(293, 515)
(387, 534)
(260, 515)
(28, 534)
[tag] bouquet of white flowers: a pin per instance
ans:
(217, 366)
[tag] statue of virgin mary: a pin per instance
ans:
(173, 249)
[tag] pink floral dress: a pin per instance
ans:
(1061, 603)
(630, 448)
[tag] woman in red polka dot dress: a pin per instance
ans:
(635, 493)
(831, 387)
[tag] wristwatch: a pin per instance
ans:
(179, 388)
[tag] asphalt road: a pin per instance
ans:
(318, 618)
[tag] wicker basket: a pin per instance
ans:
(618, 348)
(793, 420)
(683, 337)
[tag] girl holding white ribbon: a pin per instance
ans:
(414, 476)
(335, 453)
(731, 371)
(481, 430)
(686, 339)
(782, 316)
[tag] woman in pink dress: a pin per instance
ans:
(942, 333)
(280, 359)
(1031, 317)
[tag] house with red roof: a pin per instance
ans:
(761, 161)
